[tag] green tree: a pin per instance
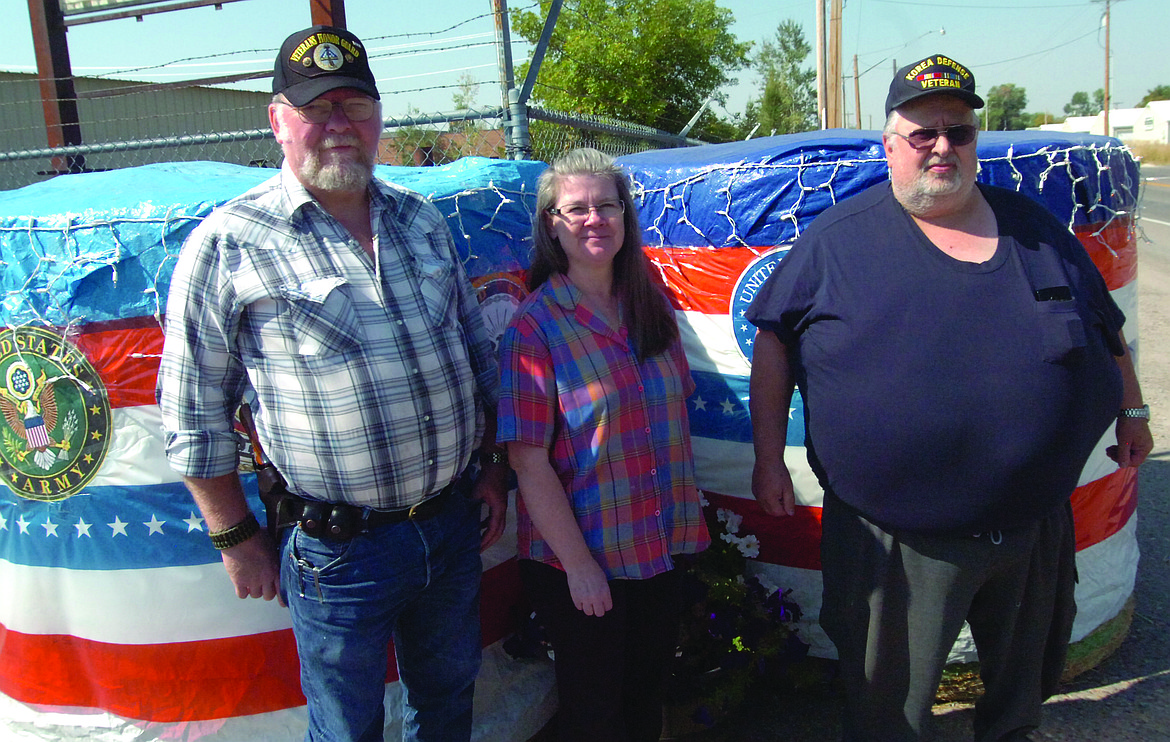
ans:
(788, 101)
(1041, 117)
(1005, 108)
(1080, 105)
(464, 98)
(465, 91)
(650, 62)
(1161, 92)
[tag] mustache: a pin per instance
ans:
(340, 140)
(942, 160)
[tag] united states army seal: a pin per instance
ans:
(56, 428)
(747, 286)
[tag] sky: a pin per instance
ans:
(1051, 48)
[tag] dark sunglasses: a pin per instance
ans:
(957, 135)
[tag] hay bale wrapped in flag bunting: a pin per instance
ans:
(117, 620)
(717, 220)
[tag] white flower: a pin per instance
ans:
(731, 519)
(703, 499)
(749, 546)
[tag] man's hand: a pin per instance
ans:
(772, 487)
(1134, 442)
(772, 385)
(491, 488)
(254, 568)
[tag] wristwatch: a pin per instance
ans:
(495, 456)
(1137, 413)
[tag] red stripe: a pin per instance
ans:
(792, 541)
(1114, 250)
(125, 354)
(701, 279)
(191, 681)
(1100, 509)
(183, 681)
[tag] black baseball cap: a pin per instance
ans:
(319, 59)
(937, 73)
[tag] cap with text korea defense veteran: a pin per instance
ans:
(935, 74)
(319, 59)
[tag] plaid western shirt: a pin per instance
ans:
(616, 430)
(370, 380)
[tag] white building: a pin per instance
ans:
(1148, 124)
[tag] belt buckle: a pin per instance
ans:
(413, 511)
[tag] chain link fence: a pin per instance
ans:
(129, 124)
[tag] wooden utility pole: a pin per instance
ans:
(327, 13)
(503, 49)
(820, 52)
(1107, 131)
(856, 93)
(58, 96)
(835, 103)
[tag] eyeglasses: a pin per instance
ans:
(321, 110)
(957, 135)
(580, 212)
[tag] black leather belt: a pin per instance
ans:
(341, 521)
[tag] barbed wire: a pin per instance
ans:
(268, 52)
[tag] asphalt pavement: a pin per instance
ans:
(1124, 698)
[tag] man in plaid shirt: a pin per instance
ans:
(337, 304)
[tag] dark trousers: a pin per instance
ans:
(611, 670)
(895, 603)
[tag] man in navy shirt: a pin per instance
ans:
(959, 357)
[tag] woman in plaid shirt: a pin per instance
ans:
(593, 409)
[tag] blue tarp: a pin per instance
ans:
(100, 246)
(765, 191)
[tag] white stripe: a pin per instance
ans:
(1126, 298)
(725, 467)
(132, 606)
(1106, 573)
(710, 344)
(136, 457)
(150, 606)
(1106, 578)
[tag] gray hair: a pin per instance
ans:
(548, 257)
(892, 120)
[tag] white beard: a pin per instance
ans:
(352, 175)
(921, 194)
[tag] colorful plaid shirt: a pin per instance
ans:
(370, 379)
(616, 431)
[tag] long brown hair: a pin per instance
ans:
(648, 317)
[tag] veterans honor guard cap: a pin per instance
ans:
(319, 59)
(935, 74)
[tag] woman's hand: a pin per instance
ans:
(589, 589)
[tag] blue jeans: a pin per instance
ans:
(416, 583)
